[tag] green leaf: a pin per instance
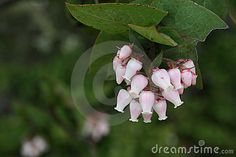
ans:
(184, 51)
(219, 7)
(181, 40)
(233, 16)
(158, 60)
(105, 36)
(152, 34)
(133, 39)
(187, 17)
(115, 17)
(232, 10)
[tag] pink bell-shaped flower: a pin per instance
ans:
(138, 83)
(186, 76)
(123, 99)
(135, 110)
(190, 65)
(116, 61)
(173, 97)
(161, 78)
(147, 117)
(125, 52)
(120, 71)
(175, 77)
(160, 107)
(131, 69)
(147, 99)
(194, 79)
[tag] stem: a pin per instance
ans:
(96, 1)
(171, 63)
(168, 60)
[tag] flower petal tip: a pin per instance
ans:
(121, 111)
(133, 120)
(162, 118)
(148, 121)
(144, 113)
(176, 106)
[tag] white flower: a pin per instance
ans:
(135, 110)
(116, 61)
(175, 77)
(190, 65)
(131, 69)
(138, 83)
(147, 99)
(34, 147)
(96, 126)
(160, 107)
(147, 117)
(161, 78)
(124, 52)
(123, 99)
(186, 76)
(173, 97)
(120, 71)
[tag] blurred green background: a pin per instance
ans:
(40, 43)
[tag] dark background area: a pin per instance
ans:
(40, 43)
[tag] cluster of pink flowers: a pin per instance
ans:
(145, 94)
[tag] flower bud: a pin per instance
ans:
(116, 61)
(120, 71)
(186, 76)
(138, 83)
(161, 79)
(132, 67)
(175, 77)
(173, 97)
(160, 107)
(146, 99)
(123, 99)
(194, 79)
(190, 65)
(125, 52)
(147, 117)
(135, 110)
